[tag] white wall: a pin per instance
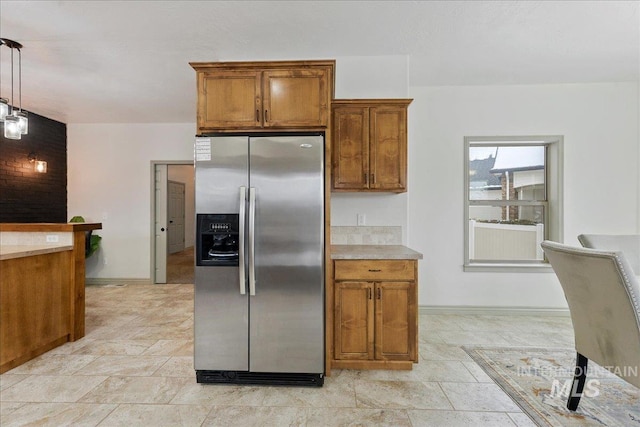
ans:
(600, 127)
(371, 77)
(109, 181)
(110, 172)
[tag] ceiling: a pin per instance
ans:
(127, 61)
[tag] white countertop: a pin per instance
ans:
(373, 252)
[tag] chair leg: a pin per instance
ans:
(579, 378)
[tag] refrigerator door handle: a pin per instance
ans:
(242, 220)
(252, 241)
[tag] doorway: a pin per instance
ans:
(172, 222)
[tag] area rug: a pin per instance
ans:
(539, 379)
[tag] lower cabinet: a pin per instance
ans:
(375, 314)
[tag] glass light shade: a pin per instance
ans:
(4, 109)
(23, 121)
(41, 166)
(12, 127)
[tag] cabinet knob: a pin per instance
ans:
(374, 271)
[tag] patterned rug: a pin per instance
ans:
(539, 380)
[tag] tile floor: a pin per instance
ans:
(134, 368)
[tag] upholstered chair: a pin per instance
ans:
(604, 301)
(627, 243)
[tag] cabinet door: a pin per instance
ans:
(388, 148)
(297, 98)
(353, 317)
(350, 148)
(229, 99)
(395, 319)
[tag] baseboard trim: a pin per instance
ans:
(493, 310)
(117, 282)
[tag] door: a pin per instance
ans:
(388, 148)
(175, 208)
(287, 310)
(160, 224)
(295, 98)
(221, 308)
(229, 99)
(351, 148)
(353, 329)
(395, 328)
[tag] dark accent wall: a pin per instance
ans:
(26, 195)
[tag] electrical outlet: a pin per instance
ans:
(362, 219)
(52, 238)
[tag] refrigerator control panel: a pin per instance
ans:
(217, 240)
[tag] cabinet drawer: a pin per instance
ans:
(374, 269)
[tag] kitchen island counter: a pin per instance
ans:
(42, 279)
(20, 251)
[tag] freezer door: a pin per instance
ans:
(287, 310)
(221, 312)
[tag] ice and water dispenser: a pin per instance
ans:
(217, 240)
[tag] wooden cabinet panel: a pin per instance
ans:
(36, 306)
(370, 145)
(354, 321)
(395, 329)
(351, 147)
(375, 314)
(389, 150)
(263, 95)
(295, 98)
(229, 99)
(374, 269)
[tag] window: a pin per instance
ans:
(513, 201)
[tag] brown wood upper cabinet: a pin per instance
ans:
(264, 95)
(370, 145)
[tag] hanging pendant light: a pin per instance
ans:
(4, 109)
(16, 122)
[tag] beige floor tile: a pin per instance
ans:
(478, 397)
(115, 347)
(171, 348)
(442, 351)
(255, 416)
(135, 367)
(488, 338)
(181, 366)
(332, 395)
(8, 379)
(7, 407)
(214, 394)
(480, 375)
(42, 388)
(135, 390)
(521, 419)
(426, 370)
(400, 395)
(459, 419)
(124, 365)
(54, 364)
(57, 414)
(337, 417)
(127, 415)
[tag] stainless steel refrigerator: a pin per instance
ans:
(259, 275)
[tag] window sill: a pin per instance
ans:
(508, 268)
